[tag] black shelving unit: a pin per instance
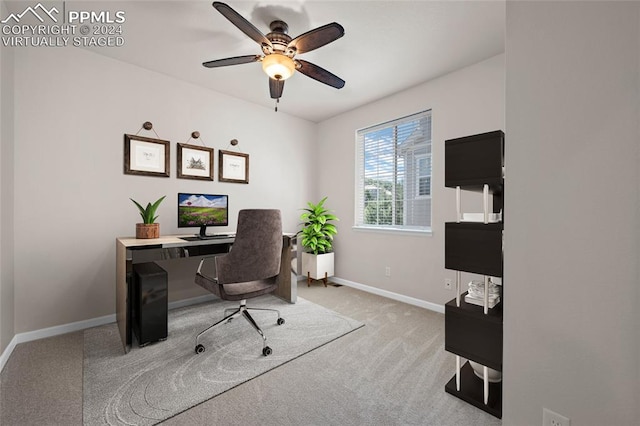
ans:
(474, 163)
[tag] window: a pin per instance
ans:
(393, 180)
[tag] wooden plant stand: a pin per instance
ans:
(324, 280)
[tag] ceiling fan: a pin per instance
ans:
(279, 51)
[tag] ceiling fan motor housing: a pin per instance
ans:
(279, 38)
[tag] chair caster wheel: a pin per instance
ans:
(266, 351)
(199, 349)
(280, 321)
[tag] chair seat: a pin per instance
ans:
(237, 291)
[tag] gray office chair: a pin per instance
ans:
(248, 270)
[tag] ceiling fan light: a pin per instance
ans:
(278, 66)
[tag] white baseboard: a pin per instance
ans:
(7, 353)
(81, 325)
(391, 295)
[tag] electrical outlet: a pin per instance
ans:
(550, 418)
(387, 271)
(448, 284)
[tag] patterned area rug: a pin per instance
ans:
(156, 382)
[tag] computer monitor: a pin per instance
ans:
(202, 210)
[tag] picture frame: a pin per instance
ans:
(233, 167)
(146, 156)
(195, 162)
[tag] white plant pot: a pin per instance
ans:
(317, 266)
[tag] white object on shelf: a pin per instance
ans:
(477, 289)
(485, 303)
(494, 376)
(479, 217)
(493, 301)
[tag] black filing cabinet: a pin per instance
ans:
(150, 302)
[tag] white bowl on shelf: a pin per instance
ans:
(495, 376)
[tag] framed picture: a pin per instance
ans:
(195, 162)
(146, 156)
(233, 167)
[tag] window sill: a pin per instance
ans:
(390, 230)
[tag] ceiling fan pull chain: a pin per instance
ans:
(277, 102)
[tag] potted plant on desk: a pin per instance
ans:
(148, 228)
(317, 242)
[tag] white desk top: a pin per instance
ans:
(167, 241)
(170, 241)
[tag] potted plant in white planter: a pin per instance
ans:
(317, 242)
(148, 228)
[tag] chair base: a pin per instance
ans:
(236, 312)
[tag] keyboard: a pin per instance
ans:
(208, 237)
(217, 236)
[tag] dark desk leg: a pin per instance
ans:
(123, 296)
(286, 280)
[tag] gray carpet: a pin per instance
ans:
(156, 382)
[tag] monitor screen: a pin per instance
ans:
(202, 210)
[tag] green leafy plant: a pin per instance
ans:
(149, 213)
(317, 233)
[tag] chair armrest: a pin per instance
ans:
(199, 271)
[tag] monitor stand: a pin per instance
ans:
(203, 232)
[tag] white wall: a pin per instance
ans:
(571, 315)
(464, 102)
(72, 108)
(6, 196)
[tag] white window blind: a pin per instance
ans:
(393, 174)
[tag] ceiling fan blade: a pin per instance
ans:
(317, 38)
(320, 74)
(236, 60)
(275, 88)
(245, 26)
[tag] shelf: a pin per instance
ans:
(472, 161)
(472, 391)
(477, 312)
(473, 247)
(472, 334)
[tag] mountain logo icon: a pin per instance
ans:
(38, 11)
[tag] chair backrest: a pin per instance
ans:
(257, 249)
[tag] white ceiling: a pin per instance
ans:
(388, 46)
